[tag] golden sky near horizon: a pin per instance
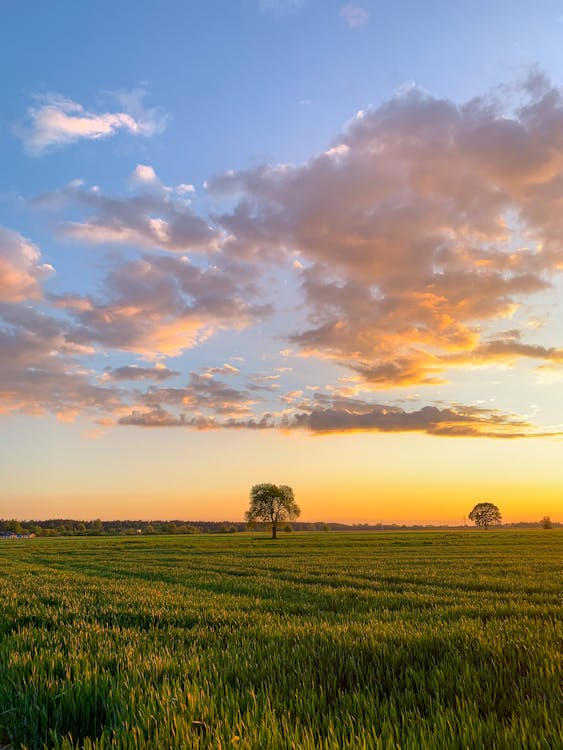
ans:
(386, 481)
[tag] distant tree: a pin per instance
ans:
(272, 504)
(288, 527)
(546, 523)
(485, 514)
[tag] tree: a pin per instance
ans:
(272, 503)
(546, 522)
(485, 514)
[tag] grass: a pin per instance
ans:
(316, 641)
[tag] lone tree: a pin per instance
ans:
(273, 504)
(485, 514)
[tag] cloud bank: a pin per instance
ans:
(424, 223)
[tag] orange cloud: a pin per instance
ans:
(161, 306)
(21, 272)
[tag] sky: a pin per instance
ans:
(309, 242)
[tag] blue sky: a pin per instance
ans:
(277, 222)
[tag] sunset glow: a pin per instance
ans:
(302, 243)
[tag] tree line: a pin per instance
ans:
(73, 527)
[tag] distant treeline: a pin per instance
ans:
(70, 527)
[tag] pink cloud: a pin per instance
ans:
(57, 121)
(21, 270)
(163, 305)
(40, 371)
(151, 218)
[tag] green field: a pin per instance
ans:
(316, 641)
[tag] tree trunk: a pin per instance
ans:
(274, 530)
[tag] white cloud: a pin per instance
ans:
(185, 189)
(56, 120)
(143, 174)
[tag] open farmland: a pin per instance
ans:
(316, 641)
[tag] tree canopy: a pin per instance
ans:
(485, 514)
(272, 504)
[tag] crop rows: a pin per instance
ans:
(316, 641)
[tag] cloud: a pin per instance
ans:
(21, 271)
(209, 405)
(55, 121)
(225, 369)
(204, 403)
(153, 217)
(507, 350)
(353, 415)
(163, 418)
(40, 371)
(144, 174)
(137, 372)
(185, 189)
(158, 418)
(423, 224)
(354, 15)
(411, 246)
(162, 305)
(267, 381)
(204, 395)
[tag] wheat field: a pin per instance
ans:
(317, 641)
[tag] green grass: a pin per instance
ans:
(314, 642)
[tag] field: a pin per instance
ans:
(314, 642)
